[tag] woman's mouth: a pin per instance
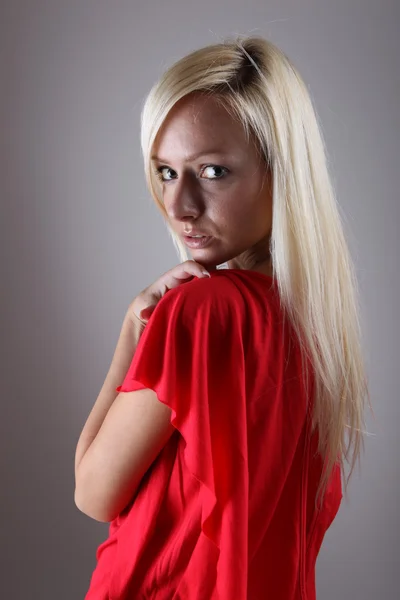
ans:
(200, 241)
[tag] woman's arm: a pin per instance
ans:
(125, 349)
(122, 437)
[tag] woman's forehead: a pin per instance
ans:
(198, 125)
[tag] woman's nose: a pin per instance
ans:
(183, 199)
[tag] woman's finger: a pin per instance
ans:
(183, 271)
(145, 303)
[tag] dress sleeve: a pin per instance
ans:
(191, 355)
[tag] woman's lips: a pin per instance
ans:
(197, 242)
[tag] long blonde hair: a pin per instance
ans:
(310, 258)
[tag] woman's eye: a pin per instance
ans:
(214, 171)
(209, 172)
(162, 173)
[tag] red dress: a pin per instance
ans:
(227, 510)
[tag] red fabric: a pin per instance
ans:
(227, 510)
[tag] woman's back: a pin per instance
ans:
(227, 510)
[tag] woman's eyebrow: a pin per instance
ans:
(193, 156)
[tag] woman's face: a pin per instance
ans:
(214, 183)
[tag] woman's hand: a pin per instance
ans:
(144, 304)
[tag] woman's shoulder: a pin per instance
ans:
(214, 300)
(218, 290)
(225, 296)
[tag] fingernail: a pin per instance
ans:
(206, 273)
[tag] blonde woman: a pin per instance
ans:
(219, 460)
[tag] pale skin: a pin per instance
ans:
(225, 193)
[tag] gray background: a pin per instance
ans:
(80, 238)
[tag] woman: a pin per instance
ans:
(218, 464)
